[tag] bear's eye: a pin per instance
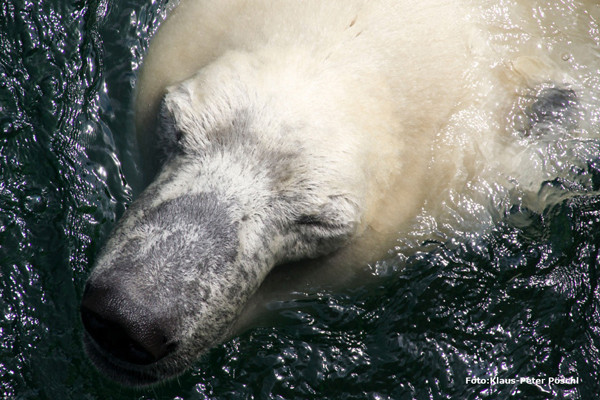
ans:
(315, 221)
(336, 218)
(309, 220)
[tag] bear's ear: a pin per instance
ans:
(169, 134)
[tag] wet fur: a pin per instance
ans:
(308, 130)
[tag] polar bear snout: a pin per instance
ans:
(170, 283)
(133, 334)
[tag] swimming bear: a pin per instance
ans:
(283, 131)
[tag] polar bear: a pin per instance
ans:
(282, 131)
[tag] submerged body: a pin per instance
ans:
(325, 130)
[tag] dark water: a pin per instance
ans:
(520, 302)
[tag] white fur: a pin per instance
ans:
(337, 129)
(407, 102)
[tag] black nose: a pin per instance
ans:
(130, 333)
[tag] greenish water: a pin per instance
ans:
(520, 302)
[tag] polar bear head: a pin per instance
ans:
(289, 131)
(242, 189)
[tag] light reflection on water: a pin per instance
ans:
(517, 299)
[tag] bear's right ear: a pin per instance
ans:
(169, 135)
